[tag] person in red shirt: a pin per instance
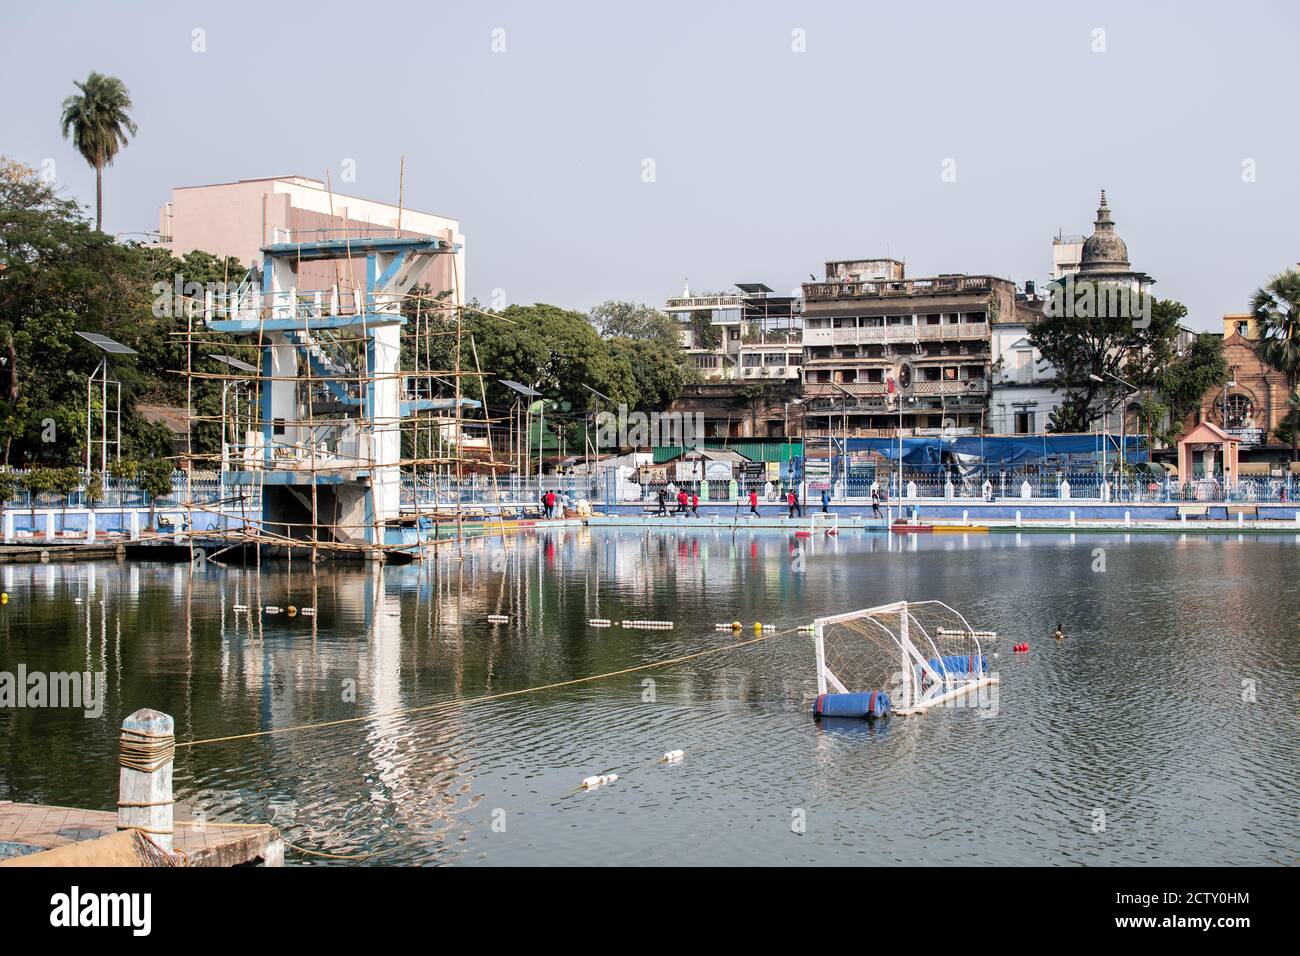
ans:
(681, 501)
(695, 504)
(794, 504)
(550, 504)
(753, 501)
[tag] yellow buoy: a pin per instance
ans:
(4, 597)
(758, 626)
(735, 625)
(291, 610)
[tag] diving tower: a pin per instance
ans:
(321, 439)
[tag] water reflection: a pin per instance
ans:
(1139, 711)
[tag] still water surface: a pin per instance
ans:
(1128, 743)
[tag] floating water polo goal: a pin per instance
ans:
(902, 658)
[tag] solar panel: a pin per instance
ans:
(107, 344)
(521, 389)
(236, 363)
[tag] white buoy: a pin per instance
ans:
(309, 611)
(672, 756)
(498, 618)
(271, 609)
(591, 783)
(599, 622)
(240, 607)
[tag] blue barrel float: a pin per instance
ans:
(959, 664)
(869, 706)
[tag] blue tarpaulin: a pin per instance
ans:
(998, 449)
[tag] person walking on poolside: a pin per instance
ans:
(875, 502)
(550, 504)
(663, 503)
(826, 501)
(793, 499)
(695, 504)
(753, 502)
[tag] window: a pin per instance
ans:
(848, 376)
(751, 360)
(1024, 423)
(277, 426)
(734, 335)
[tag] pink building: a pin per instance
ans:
(238, 219)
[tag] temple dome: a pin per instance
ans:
(1104, 250)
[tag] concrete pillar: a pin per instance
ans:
(135, 525)
(1017, 519)
(1128, 519)
(90, 527)
(49, 525)
(1071, 519)
(9, 525)
(144, 791)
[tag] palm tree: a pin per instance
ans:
(1276, 308)
(98, 122)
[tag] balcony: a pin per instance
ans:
(942, 285)
(974, 387)
(889, 334)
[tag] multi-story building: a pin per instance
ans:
(748, 351)
(883, 352)
(240, 218)
(1067, 253)
(750, 336)
(1022, 398)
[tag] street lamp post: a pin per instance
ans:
(1133, 390)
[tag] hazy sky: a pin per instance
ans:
(766, 161)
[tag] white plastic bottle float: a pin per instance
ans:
(599, 622)
(648, 625)
(498, 618)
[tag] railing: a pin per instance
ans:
(873, 334)
(518, 493)
(880, 288)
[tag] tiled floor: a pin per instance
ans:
(47, 827)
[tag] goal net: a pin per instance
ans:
(823, 522)
(918, 652)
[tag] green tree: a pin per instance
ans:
(1183, 383)
(1276, 307)
(638, 322)
(57, 277)
(1080, 346)
(656, 371)
(152, 475)
(98, 120)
